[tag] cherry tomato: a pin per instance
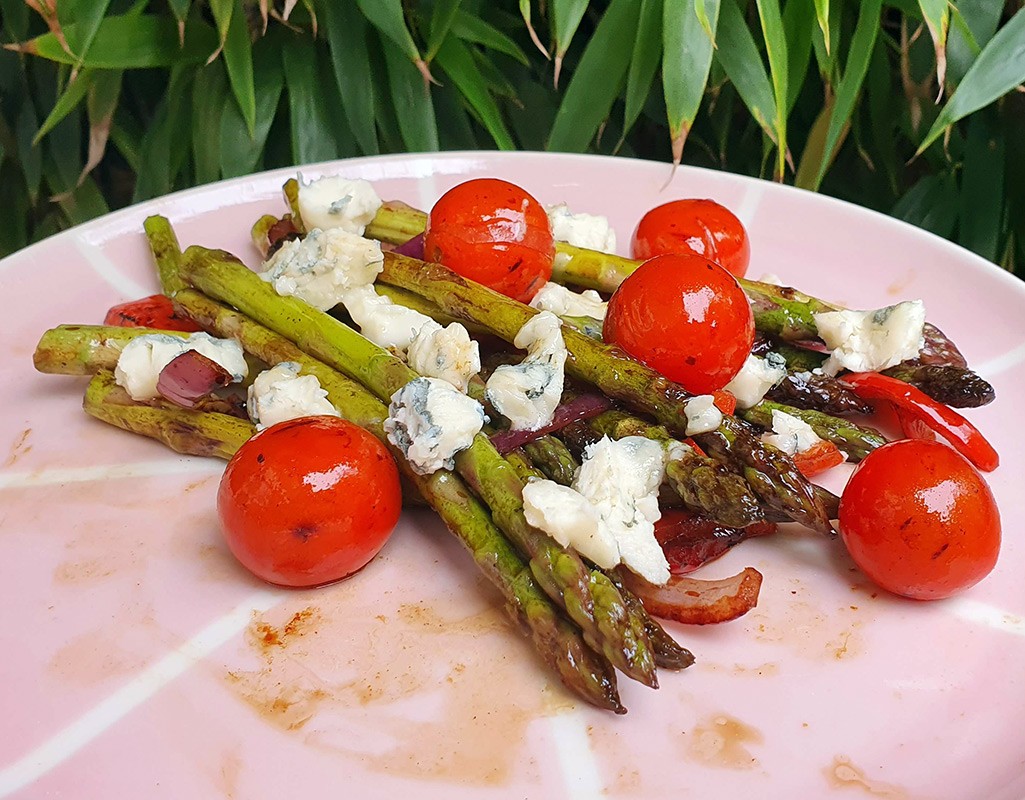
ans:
(920, 520)
(686, 317)
(309, 501)
(694, 226)
(155, 311)
(494, 233)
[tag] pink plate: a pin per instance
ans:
(140, 661)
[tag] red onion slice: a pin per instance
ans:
(689, 540)
(581, 407)
(190, 377)
(696, 602)
(414, 248)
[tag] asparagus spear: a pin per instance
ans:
(597, 610)
(774, 476)
(856, 441)
(819, 392)
(197, 433)
(83, 349)
(551, 456)
(166, 252)
(955, 386)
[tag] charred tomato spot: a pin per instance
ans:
(304, 532)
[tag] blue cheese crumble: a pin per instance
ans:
(528, 393)
(323, 266)
(702, 415)
(337, 202)
(281, 393)
(756, 377)
(143, 359)
(609, 514)
(565, 302)
(430, 421)
(868, 341)
(589, 231)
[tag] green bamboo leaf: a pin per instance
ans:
(160, 154)
(686, 61)
(130, 42)
(815, 147)
(102, 102)
(209, 101)
(858, 57)
(597, 79)
(883, 114)
(973, 23)
(471, 28)
(180, 8)
(241, 153)
(525, 13)
(311, 135)
(411, 99)
(16, 18)
(999, 68)
(982, 188)
(776, 49)
(493, 77)
(455, 58)
(827, 57)
(345, 143)
(455, 132)
(238, 57)
(127, 140)
(88, 17)
(532, 120)
(797, 25)
(937, 19)
(73, 94)
(738, 54)
(442, 16)
(566, 16)
(647, 53)
(701, 11)
(930, 204)
(388, 18)
(347, 32)
(822, 15)
(223, 11)
(25, 126)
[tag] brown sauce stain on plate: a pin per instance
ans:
(812, 632)
(842, 774)
(19, 448)
(411, 690)
(722, 741)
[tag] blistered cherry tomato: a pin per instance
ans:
(694, 226)
(492, 232)
(155, 311)
(920, 520)
(686, 317)
(309, 501)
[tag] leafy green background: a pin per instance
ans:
(912, 107)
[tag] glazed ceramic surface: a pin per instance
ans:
(140, 661)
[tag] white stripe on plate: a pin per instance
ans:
(987, 369)
(747, 208)
(107, 270)
(991, 616)
(68, 741)
(580, 772)
(105, 472)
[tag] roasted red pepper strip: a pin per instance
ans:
(155, 311)
(818, 458)
(725, 401)
(919, 413)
